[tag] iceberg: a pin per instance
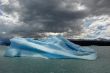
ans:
(4, 41)
(56, 47)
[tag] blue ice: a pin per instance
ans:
(51, 47)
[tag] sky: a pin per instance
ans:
(73, 18)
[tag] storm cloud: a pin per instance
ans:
(51, 15)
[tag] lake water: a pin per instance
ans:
(38, 65)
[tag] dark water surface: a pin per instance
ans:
(38, 65)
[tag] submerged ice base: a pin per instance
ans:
(51, 47)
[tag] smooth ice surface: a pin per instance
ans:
(51, 47)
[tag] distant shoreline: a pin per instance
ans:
(76, 41)
(91, 42)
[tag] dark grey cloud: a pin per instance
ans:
(98, 7)
(48, 15)
(52, 16)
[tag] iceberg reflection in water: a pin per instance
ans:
(51, 47)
